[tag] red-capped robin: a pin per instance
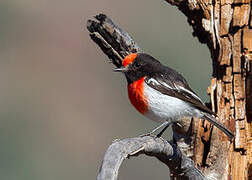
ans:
(162, 94)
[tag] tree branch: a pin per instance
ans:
(112, 40)
(180, 165)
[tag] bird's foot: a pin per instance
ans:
(152, 133)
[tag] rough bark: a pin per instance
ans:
(112, 40)
(225, 27)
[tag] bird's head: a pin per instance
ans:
(138, 65)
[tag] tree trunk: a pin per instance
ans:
(225, 26)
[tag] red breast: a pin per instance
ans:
(136, 89)
(137, 97)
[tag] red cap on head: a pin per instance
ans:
(129, 59)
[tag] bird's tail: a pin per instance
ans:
(219, 125)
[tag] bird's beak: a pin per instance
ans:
(121, 69)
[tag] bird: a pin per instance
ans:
(162, 94)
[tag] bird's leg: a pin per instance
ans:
(166, 124)
(163, 130)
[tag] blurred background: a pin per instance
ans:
(61, 105)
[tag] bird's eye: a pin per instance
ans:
(137, 65)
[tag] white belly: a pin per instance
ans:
(166, 108)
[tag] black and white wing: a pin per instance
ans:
(173, 84)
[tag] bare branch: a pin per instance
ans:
(113, 41)
(180, 165)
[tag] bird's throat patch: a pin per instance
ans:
(137, 97)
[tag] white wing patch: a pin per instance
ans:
(155, 82)
(190, 92)
(152, 81)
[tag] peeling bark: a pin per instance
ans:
(229, 34)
